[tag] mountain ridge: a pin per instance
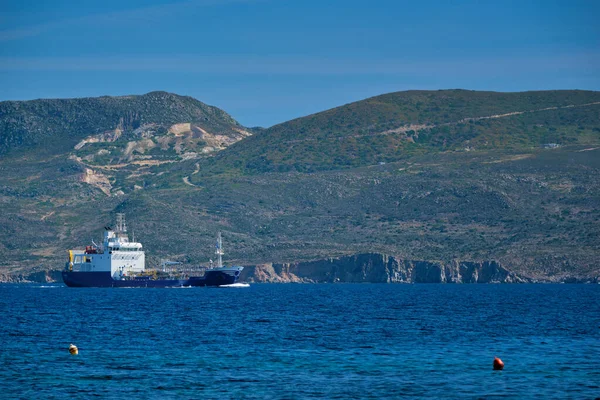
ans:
(34, 122)
(386, 128)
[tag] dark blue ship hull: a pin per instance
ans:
(104, 279)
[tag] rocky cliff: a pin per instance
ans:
(380, 268)
(42, 276)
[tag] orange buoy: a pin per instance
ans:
(498, 364)
(73, 349)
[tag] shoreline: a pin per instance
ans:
(363, 268)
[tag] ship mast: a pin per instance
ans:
(219, 251)
(121, 225)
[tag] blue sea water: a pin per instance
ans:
(301, 341)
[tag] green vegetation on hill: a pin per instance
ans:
(399, 125)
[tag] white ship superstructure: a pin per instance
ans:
(117, 254)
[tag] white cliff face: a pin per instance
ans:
(96, 179)
(180, 129)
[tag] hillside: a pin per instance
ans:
(114, 140)
(54, 124)
(400, 125)
(504, 198)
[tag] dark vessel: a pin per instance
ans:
(121, 263)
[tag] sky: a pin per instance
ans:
(268, 61)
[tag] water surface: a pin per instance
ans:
(301, 341)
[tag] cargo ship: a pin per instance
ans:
(119, 262)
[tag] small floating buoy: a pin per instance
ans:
(498, 364)
(73, 349)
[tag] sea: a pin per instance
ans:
(301, 341)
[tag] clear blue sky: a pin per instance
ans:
(267, 61)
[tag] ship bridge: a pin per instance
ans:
(117, 254)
